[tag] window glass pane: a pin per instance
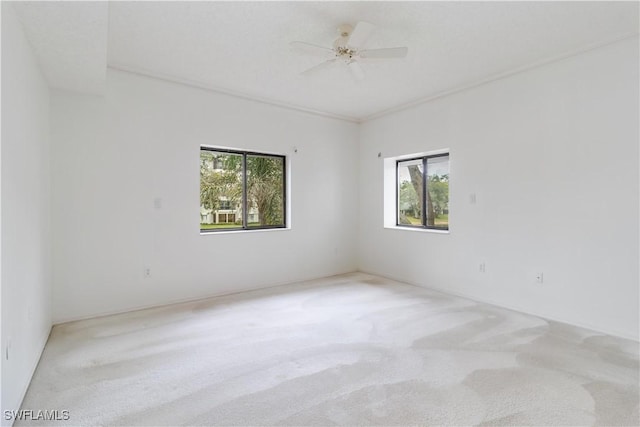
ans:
(438, 192)
(265, 191)
(220, 190)
(410, 192)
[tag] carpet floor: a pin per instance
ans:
(354, 349)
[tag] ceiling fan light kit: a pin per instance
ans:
(348, 49)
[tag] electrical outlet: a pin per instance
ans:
(147, 272)
(539, 277)
(482, 267)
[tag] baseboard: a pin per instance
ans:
(590, 327)
(188, 300)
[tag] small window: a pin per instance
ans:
(422, 186)
(241, 190)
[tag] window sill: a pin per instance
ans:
(215, 233)
(419, 230)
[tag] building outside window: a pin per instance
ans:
(241, 190)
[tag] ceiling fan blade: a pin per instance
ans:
(311, 49)
(319, 67)
(360, 34)
(356, 70)
(390, 52)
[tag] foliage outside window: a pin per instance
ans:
(423, 192)
(241, 190)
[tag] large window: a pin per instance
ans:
(241, 190)
(422, 186)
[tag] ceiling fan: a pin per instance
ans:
(348, 50)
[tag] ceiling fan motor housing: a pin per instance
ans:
(340, 42)
(340, 45)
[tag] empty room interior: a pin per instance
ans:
(320, 213)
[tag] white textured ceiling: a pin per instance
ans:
(243, 47)
(70, 42)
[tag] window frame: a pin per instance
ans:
(425, 189)
(244, 201)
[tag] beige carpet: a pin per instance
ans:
(352, 349)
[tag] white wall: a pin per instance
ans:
(552, 155)
(113, 155)
(26, 245)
